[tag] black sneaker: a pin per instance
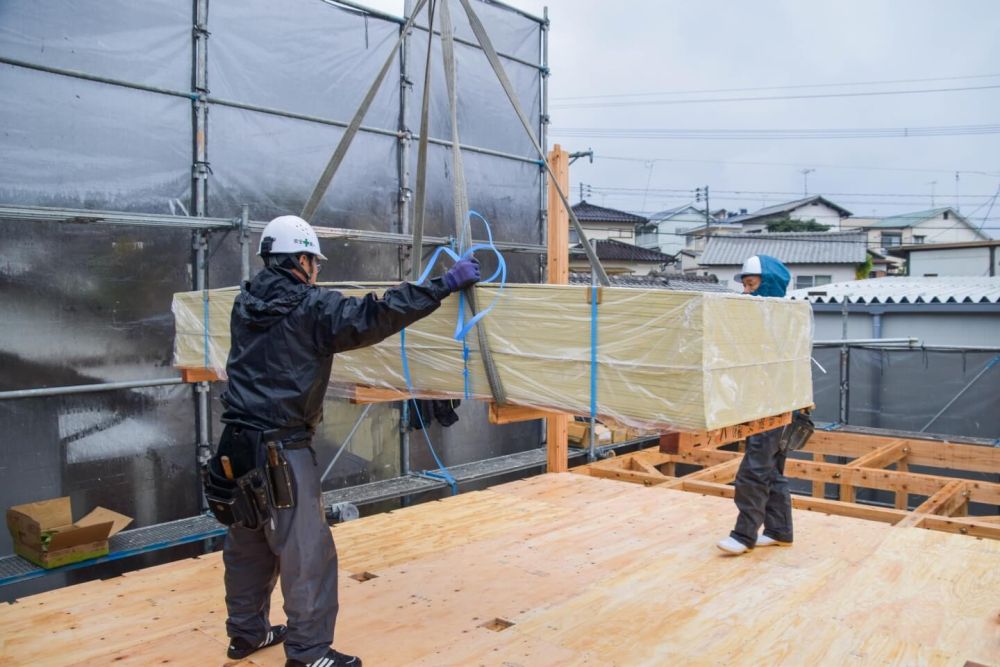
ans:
(331, 659)
(240, 648)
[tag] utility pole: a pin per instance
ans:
(932, 184)
(958, 199)
(698, 194)
(805, 181)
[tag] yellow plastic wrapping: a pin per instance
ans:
(683, 360)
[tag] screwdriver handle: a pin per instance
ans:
(227, 467)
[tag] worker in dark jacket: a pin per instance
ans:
(761, 493)
(285, 331)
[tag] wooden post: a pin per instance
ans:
(558, 274)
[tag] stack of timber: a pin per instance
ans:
(527, 573)
(682, 360)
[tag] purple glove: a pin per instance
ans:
(463, 274)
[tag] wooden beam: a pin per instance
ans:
(674, 442)
(934, 453)
(556, 436)
(511, 413)
(867, 512)
(644, 478)
(642, 465)
(721, 473)
(883, 456)
(193, 375)
(819, 488)
(955, 525)
(886, 480)
(945, 501)
(877, 458)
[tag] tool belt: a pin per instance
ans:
(796, 434)
(249, 500)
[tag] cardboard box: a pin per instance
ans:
(45, 534)
(578, 433)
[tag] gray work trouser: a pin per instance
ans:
(762, 494)
(300, 548)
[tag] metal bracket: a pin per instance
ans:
(590, 294)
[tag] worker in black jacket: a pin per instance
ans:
(285, 330)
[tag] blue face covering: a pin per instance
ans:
(774, 277)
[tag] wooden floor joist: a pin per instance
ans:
(567, 570)
(944, 509)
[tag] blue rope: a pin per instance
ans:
(461, 329)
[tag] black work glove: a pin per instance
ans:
(464, 274)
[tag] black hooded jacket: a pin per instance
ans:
(285, 333)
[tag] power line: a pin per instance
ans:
(624, 188)
(623, 158)
(708, 100)
(787, 87)
(776, 134)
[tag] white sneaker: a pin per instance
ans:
(765, 541)
(733, 547)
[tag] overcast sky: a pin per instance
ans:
(620, 52)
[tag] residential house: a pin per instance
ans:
(817, 208)
(665, 230)
(695, 238)
(619, 258)
(936, 225)
(972, 258)
(813, 258)
(599, 222)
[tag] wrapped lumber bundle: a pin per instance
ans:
(682, 360)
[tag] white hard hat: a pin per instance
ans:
(290, 235)
(751, 267)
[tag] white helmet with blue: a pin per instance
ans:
(289, 235)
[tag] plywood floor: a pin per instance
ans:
(587, 571)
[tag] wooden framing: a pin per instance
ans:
(193, 375)
(947, 496)
(556, 434)
(674, 442)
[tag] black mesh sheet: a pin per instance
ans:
(485, 116)
(905, 389)
(81, 144)
(146, 42)
(303, 56)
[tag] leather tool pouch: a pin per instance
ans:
(795, 435)
(242, 502)
(281, 477)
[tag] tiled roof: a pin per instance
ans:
(612, 250)
(587, 212)
(671, 212)
(789, 247)
(910, 289)
(910, 219)
(788, 207)
(674, 281)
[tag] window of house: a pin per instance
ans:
(891, 239)
(919, 239)
(812, 281)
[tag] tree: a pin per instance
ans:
(789, 225)
(862, 271)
